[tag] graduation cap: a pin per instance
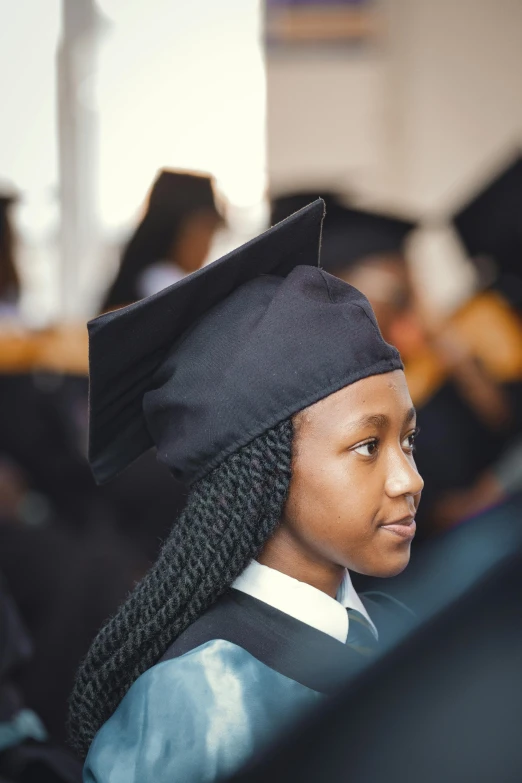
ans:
(210, 363)
(490, 224)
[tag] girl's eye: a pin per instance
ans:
(367, 449)
(408, 444)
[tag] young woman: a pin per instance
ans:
(264, 383)
(172, 240)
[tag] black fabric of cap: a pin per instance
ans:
(207, 365)
(490, 224)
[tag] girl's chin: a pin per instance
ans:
(386, 569)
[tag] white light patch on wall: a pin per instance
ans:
(28, 149)
(180, 85)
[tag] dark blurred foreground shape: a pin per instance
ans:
(26, 753)
(70, 552)
(445, 704)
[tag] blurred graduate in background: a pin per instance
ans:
(9, 282)
(172, 240)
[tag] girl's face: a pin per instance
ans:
(355, 487)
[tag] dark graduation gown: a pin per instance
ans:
(225, 687)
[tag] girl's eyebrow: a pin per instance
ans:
(380, 420)
(412, 413)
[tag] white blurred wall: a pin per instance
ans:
(412, 122)
(28, 142)
(170, 84)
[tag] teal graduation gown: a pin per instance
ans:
(228, 685)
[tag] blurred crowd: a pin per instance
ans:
(70, 551)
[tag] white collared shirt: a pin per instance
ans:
(302, 601)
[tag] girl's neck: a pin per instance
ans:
(290, 557)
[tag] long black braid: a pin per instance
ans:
(229, 516)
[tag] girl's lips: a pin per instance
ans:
(404, 529)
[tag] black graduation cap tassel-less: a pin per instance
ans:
(210, 363)
(490, 224)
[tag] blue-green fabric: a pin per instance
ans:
(24, 725)
(195, 719)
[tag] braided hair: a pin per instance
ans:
(229, 516)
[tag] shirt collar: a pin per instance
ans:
(302, 601)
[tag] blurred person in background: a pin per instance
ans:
(9, 282)
(240, 622)
(67, 571)
(172, 240)
(66, 563)
(500, 481)
(490, 229)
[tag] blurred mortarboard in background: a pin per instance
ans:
(208, 364)
(7, 199)
(286, 204)
(350, 235)
(181, 191)
(445, 704)
(490, 226)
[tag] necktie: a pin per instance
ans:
(360, 634)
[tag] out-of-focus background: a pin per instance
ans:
(140, 140)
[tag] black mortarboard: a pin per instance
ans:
(349, 235)
(210, 363)
(352, 235)
(490, 224)
(175, 192)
